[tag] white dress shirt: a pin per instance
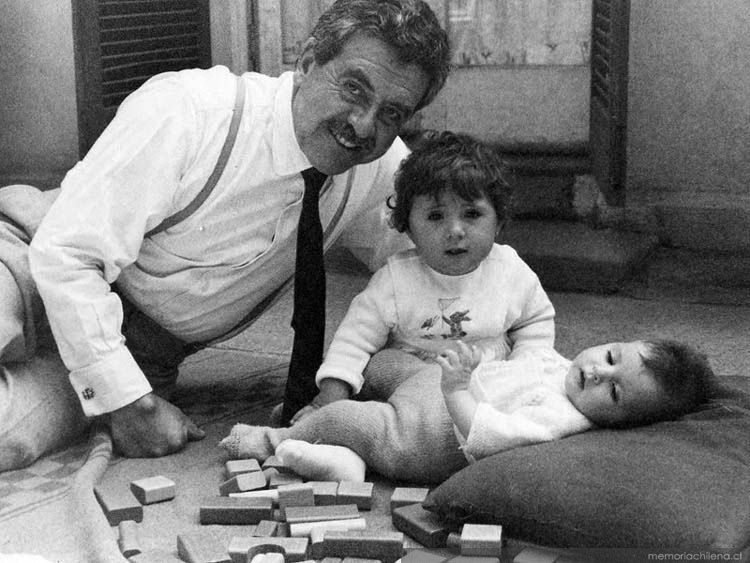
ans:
(201, 277)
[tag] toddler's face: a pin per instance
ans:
(610, 385)
(452, 235)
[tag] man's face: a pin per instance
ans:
(349, 110)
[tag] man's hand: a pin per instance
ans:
(330, 390)
(151, 427)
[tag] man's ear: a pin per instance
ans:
(307, 57)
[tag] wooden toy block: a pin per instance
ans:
(118, 503)
(425, 527)
(127, 539)
(277, 478)
(478, 540)
(201, 547)
(473, 559)
(296, 514)
(155, 556)
(331, 560)
(352, 492)
(404, 496)
(275, 462)
(153, 489)
(300, 494)
(388, 547)
(265, 554)
(295, 549)
(267, 558)
(359, 560)
(306, 528)
(324, 492)
(536, 555)
(236, 467)
(317, 535)
(243, 482)
(266, 529)
(424, 556)
(270, 494)
(282, 530)
(229, 510)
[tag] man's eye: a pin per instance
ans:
(352, 88)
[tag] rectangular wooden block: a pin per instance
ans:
(306, 528)
(324, 492)
(278, 478)
(536, 555)
(150, 490)
(351, 492)
(296, 514)
(270, 494)
(481, 540)
(201, 547)
(267, 558)
(127, 538)
(274, 462)
(243, 482)
(425, 556)
(298, 494)
(155, 556)
(425, 527)
(230, 510)
(404, 496)
(266, 529)
(118, 503)
(235, 467)
(473, 559)
(295, 549)
(385, 546)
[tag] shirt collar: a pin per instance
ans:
(287, 156)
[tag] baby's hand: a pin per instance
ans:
(457, 366)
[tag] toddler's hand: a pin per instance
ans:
(457, 366)
(330, 390)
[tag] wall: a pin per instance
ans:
(689, 119)
(38, 132)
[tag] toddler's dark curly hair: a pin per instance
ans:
(447, 162)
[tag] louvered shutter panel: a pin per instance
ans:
(609, 96)
(122, 43)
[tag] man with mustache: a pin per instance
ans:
(181, 222)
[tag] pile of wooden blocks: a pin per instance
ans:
(289, 520)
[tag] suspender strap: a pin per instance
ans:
(226, 151)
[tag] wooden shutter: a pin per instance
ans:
(122, 43)
(609, 96)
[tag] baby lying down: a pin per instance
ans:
(444, 416)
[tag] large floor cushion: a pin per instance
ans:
(683, 483)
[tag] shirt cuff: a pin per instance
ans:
(109, 384)
(355, 380)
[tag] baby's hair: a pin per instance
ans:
(684, 375)
(446, 162)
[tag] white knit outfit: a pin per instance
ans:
(521, 402)
(500, 307)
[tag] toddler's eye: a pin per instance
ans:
(434, 216)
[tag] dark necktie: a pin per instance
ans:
(309, 317)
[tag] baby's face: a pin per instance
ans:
(610, 385)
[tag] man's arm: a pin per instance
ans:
(91, 233)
